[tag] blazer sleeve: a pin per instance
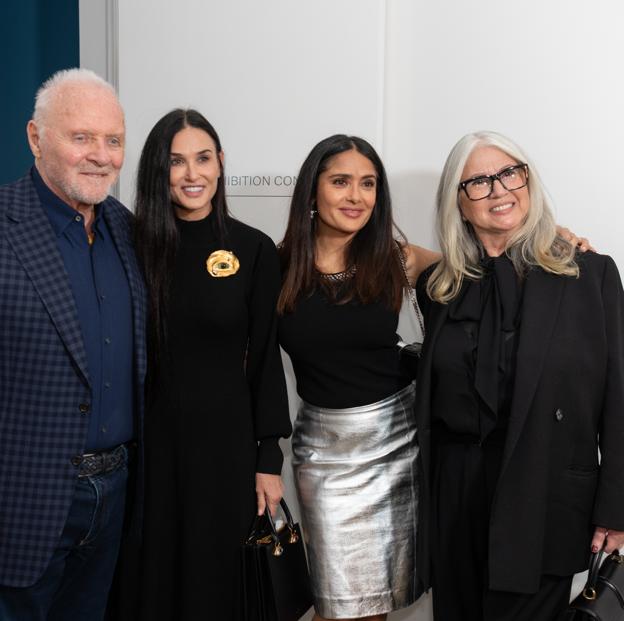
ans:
(265, 373)
(609, 503)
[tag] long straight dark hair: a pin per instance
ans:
(373, 250)
(156, 234)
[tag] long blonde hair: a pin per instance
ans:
(535, 243)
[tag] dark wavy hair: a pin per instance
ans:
(156, 234)
(373, 250)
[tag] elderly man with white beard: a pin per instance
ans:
(72, 357)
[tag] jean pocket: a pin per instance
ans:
(93, 526)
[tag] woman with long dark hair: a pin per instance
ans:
(345, 274)
(217, 402)
(354, 448)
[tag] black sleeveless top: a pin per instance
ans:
(343, 355)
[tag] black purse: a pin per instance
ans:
(602, 597)
(276, 582)
(410, 352)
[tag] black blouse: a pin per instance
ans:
(474, 358)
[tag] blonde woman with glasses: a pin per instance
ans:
(520, 383)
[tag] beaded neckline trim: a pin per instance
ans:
(339, 276)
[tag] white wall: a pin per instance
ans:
(411, 76)
(270, 91)
(548, 74)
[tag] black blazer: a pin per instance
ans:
(568, 402)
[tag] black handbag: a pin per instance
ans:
(276, 582)
(602, 597)
(410, 352)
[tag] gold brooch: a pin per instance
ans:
(222, 263)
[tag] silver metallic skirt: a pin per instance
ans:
(355, 473)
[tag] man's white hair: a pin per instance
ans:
(50, 89)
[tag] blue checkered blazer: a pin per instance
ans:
(44, 378)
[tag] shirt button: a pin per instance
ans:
(107, 384)
(104, 429)
(84, 408)
(102, 297)
(78, 218)
(76, 460)
(107, 340)
(559, 415)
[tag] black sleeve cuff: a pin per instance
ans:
(270, 457)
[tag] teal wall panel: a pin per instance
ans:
(37, 38)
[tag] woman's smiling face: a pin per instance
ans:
(504, 211)
(346, 194)
(194, 171)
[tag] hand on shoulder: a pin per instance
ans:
(582, 243)
(418, 259)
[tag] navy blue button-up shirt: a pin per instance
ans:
(102, 297)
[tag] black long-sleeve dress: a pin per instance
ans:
(216, 421)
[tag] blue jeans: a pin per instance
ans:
(75, 585)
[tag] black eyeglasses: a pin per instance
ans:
(511, 178)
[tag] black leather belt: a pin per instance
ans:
(102, 462)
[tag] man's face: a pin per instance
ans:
(79, 148)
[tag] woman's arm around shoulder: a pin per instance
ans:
(417, 260)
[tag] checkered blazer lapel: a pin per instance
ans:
(33, 241)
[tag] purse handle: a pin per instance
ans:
(411, 292)
(258, 535)
(589, 590)
(595, 561)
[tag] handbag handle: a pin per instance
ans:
(595, 562)
(589, 590)
(294, 537)
(410, 290)
(272, 535)
(593, 575)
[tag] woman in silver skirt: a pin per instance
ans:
(355, 473)
(354, 444)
